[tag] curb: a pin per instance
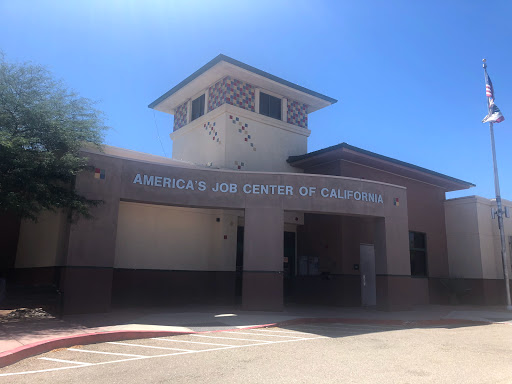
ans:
(29, 350)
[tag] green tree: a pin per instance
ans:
(43, 126)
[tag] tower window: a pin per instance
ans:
(270, 106)
(197, 107)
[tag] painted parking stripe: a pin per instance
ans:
(261, 334)
(104, 353)
(149, 346)
(151, 357)
(232, 338)
(191, 342)
(63, 361)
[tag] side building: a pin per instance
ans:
(474, 250)
(243, 214)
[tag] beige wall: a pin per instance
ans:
(195, 144)
(474, 248)
(273, 140)
(41, 244)
(174, 238)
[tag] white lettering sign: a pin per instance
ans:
(256, 189)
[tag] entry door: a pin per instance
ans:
(367, 269)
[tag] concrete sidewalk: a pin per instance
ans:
(20, 335)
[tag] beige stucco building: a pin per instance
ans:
(474, 248)
(242, 214)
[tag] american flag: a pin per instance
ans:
(494, 115)
(489, 90)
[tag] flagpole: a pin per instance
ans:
(500, 214)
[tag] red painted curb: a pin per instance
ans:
(20, 353)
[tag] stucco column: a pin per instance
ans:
(87, 273)
(262, 287)
(392, 262)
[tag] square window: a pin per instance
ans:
(198, 107)
(270, 106)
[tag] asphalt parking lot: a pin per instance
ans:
(307, 353)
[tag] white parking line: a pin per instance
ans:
(191, 342)
(155, 356)
(232, 338)
(63, 361)
(261, 334)
(149, 346)
(104, 353)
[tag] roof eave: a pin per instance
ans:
(322, 100)
(445, 181)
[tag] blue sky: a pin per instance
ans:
(408, 74)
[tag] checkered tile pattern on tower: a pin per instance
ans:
(297, 114)
(217, 94)
(240, 94)
(180, 117)
(234, 92)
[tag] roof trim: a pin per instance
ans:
(295, 159)
(239, 64)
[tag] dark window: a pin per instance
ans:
(197, 107)
(270, 106)
(418, 252)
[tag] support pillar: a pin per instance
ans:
(395, 290)
(262, 284)
(88, 268)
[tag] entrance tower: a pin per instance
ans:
(230, 115)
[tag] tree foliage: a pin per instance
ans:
(43, 126)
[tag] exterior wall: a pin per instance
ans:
(180, 116)
(261, 143)
(297, 113)
(217, 94)
(233, 138)
(425, 205)
(490, 243)
(41, 244)
(232, 91)
(463, 239)
(91, 274)
(174, 238)
(203, 141)
(474, 246)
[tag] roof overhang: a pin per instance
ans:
(223, 66)
(357, 155)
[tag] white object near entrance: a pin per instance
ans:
(367, 269)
